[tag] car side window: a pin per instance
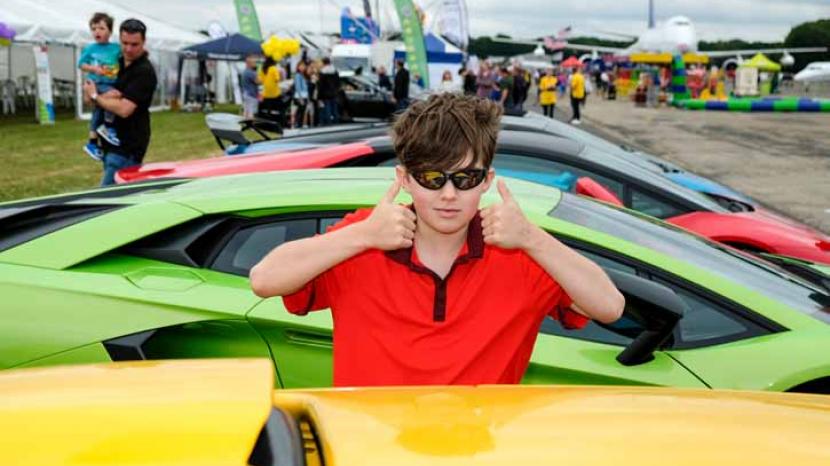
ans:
(651, 205)
(620, 333)
(325, 223)
(707, 322)
(250, 244)
(549, 172)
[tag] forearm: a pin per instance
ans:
(290, 266)
(592, 291)
(115, 105)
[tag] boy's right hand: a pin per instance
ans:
(390, 226)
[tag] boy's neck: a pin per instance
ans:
(436, 250)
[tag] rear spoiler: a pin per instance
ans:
(231, 128)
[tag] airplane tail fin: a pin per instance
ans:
(651, 14)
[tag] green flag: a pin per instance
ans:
(413, 39)
(248, 21)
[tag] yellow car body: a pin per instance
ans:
(212, 412)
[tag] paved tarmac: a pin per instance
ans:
(780, 159)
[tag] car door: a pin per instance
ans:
(588, 355)
(300, 345)
(364, 100)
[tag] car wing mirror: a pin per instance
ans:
(655, 307)
(589, 187)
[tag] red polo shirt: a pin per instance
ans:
(398, 323)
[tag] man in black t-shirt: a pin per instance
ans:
(401, 91)
(130, 102)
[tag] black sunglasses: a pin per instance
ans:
(132, 26)
(463, 180)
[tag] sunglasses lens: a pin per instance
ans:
(431, 179)
(467, 179)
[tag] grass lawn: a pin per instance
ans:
(40, 160)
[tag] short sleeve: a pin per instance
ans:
(84, 58)
(545, 293)
(321, 292)
(314, 296)
(140, 91)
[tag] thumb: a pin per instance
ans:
(392, 192)
(503, 191)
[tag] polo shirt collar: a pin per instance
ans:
(473, 248)
(141, 58)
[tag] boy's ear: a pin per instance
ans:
(401, 175)
(491, 175)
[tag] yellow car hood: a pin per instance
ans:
(179, 412)
(210, 412)
(565, 425)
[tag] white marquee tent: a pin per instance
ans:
(64, 27)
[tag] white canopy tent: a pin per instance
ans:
(64, 27)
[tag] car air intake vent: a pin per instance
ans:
(20, 224)
(184, 244)
(128, 348)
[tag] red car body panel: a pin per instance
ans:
(306, 158)
(761, 230)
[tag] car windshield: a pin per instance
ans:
(749, 271)
(350, 63)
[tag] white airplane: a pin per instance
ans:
(676, 36)
(818, 71)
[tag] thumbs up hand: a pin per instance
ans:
(504, 224)
(390, 226)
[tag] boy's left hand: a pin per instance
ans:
(503, 223)
(89, 89)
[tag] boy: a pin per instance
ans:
(100, 61)
(438, 292)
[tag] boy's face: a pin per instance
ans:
(446, 210)
(100, 32)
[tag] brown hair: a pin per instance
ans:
(438, 133)
(98, 17)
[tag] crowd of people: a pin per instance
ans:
(313, 97)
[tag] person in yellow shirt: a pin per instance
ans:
(547, 92)
(269, 77)
(577, 93)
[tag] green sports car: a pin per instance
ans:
(159, 270)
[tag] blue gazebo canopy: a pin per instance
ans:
(234, 47)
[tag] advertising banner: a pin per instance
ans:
(413, 38)
(44, 110)
(248, 20)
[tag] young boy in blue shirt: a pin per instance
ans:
(100, 61)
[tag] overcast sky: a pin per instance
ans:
(766, 20)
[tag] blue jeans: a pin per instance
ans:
(99, 115)
(330, 114)
(112, 163)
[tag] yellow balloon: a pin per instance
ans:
(277, 48)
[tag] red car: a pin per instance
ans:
(558, 162)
